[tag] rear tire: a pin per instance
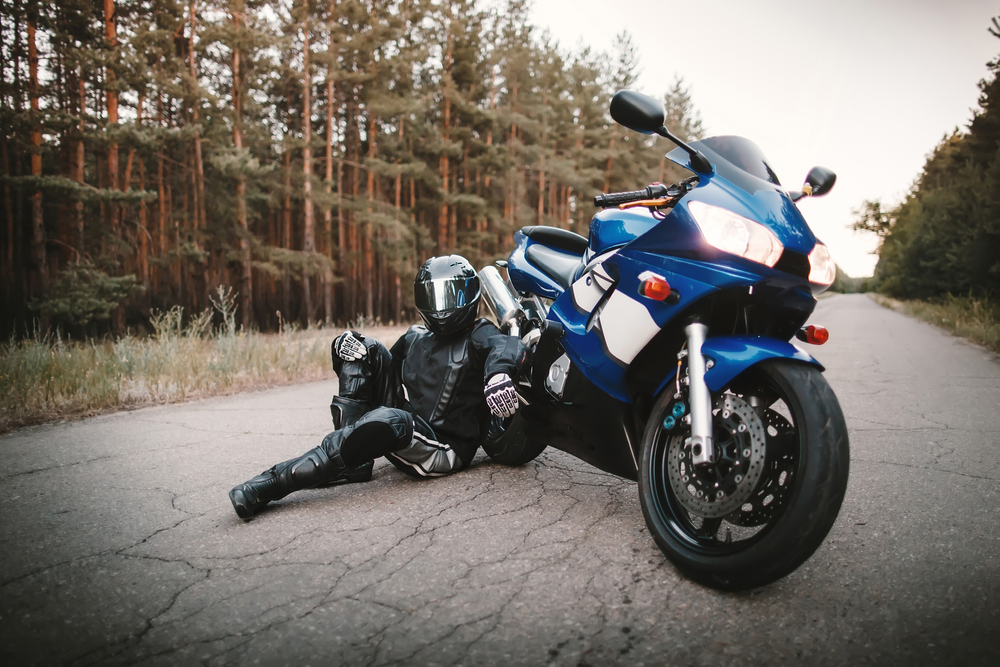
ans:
(506, 441)
(794, 472)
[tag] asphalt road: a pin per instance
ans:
(119, 544)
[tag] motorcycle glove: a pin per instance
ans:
(501, 396)
(350, 346)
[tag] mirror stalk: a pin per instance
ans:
(699, 162)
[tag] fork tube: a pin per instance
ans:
(701, 400)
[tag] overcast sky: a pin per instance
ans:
(866, 88)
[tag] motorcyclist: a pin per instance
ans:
(423, 404)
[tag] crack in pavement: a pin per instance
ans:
(61, 466)
(910, 465)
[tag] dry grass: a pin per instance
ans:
(977, 320)
(46, 378)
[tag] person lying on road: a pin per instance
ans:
(423, 405)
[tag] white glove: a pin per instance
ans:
(501, 396)
(350, 346)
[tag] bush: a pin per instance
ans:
(83, 294)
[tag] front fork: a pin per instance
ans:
(702, 451)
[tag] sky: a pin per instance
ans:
(865, 88)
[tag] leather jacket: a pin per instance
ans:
(440, 379)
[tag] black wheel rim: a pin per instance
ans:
(770, 495)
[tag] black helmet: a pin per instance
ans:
(446, 293)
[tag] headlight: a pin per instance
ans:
(822, 268)
(735, 234)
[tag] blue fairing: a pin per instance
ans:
(747, 195)
(611, 228)
(671, 245)
(734, 354)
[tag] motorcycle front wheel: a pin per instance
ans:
(773, 490)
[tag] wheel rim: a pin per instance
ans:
(721, 526)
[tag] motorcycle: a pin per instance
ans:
(662, 353)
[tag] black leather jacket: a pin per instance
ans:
(440, 379)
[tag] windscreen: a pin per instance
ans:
(737, 159)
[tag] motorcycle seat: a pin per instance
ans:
(562, 267)
(560, 239)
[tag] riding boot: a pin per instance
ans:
(312, 469)
(346, 412)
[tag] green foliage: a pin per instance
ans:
(83, 294)
(944, 237)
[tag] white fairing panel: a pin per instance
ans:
(588, 290)
(627, 326)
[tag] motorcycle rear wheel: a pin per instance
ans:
(506, 441)
(796, 432)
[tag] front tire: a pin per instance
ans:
(772, 494)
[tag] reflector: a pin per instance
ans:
(813, 334)
(654, 287)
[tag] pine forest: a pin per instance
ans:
(309, 155)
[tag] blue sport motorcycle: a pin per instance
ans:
(662, 354)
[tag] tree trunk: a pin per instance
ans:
(309, 227)
(141, 259)
(246, 277)
(8, 273)
(37, 223)
(445, 127)
(607, 174)
(352, 244)
(286, 238)
(111, 34)
(541, 191)
(328, 214)
(80, 167)
(368, 267)
(199, 164)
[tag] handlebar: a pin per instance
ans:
(654, 191)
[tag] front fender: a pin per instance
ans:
(734, 354)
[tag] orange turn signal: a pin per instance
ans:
(813, 334)
(654, 287)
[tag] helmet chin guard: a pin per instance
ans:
(446, 293)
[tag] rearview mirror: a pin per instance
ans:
(644, 114)
(821, 180)
(637, 112)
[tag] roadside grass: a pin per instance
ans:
(45, 378)
(977, 320)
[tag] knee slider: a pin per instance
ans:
(310, 470)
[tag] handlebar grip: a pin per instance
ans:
(616, 198)
(654, 191)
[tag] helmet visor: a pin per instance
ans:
(445, 293)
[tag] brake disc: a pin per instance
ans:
(776, 482)
(715, 490)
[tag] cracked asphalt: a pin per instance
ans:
(120, 547)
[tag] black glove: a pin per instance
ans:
(350, 346)
(501, 396)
